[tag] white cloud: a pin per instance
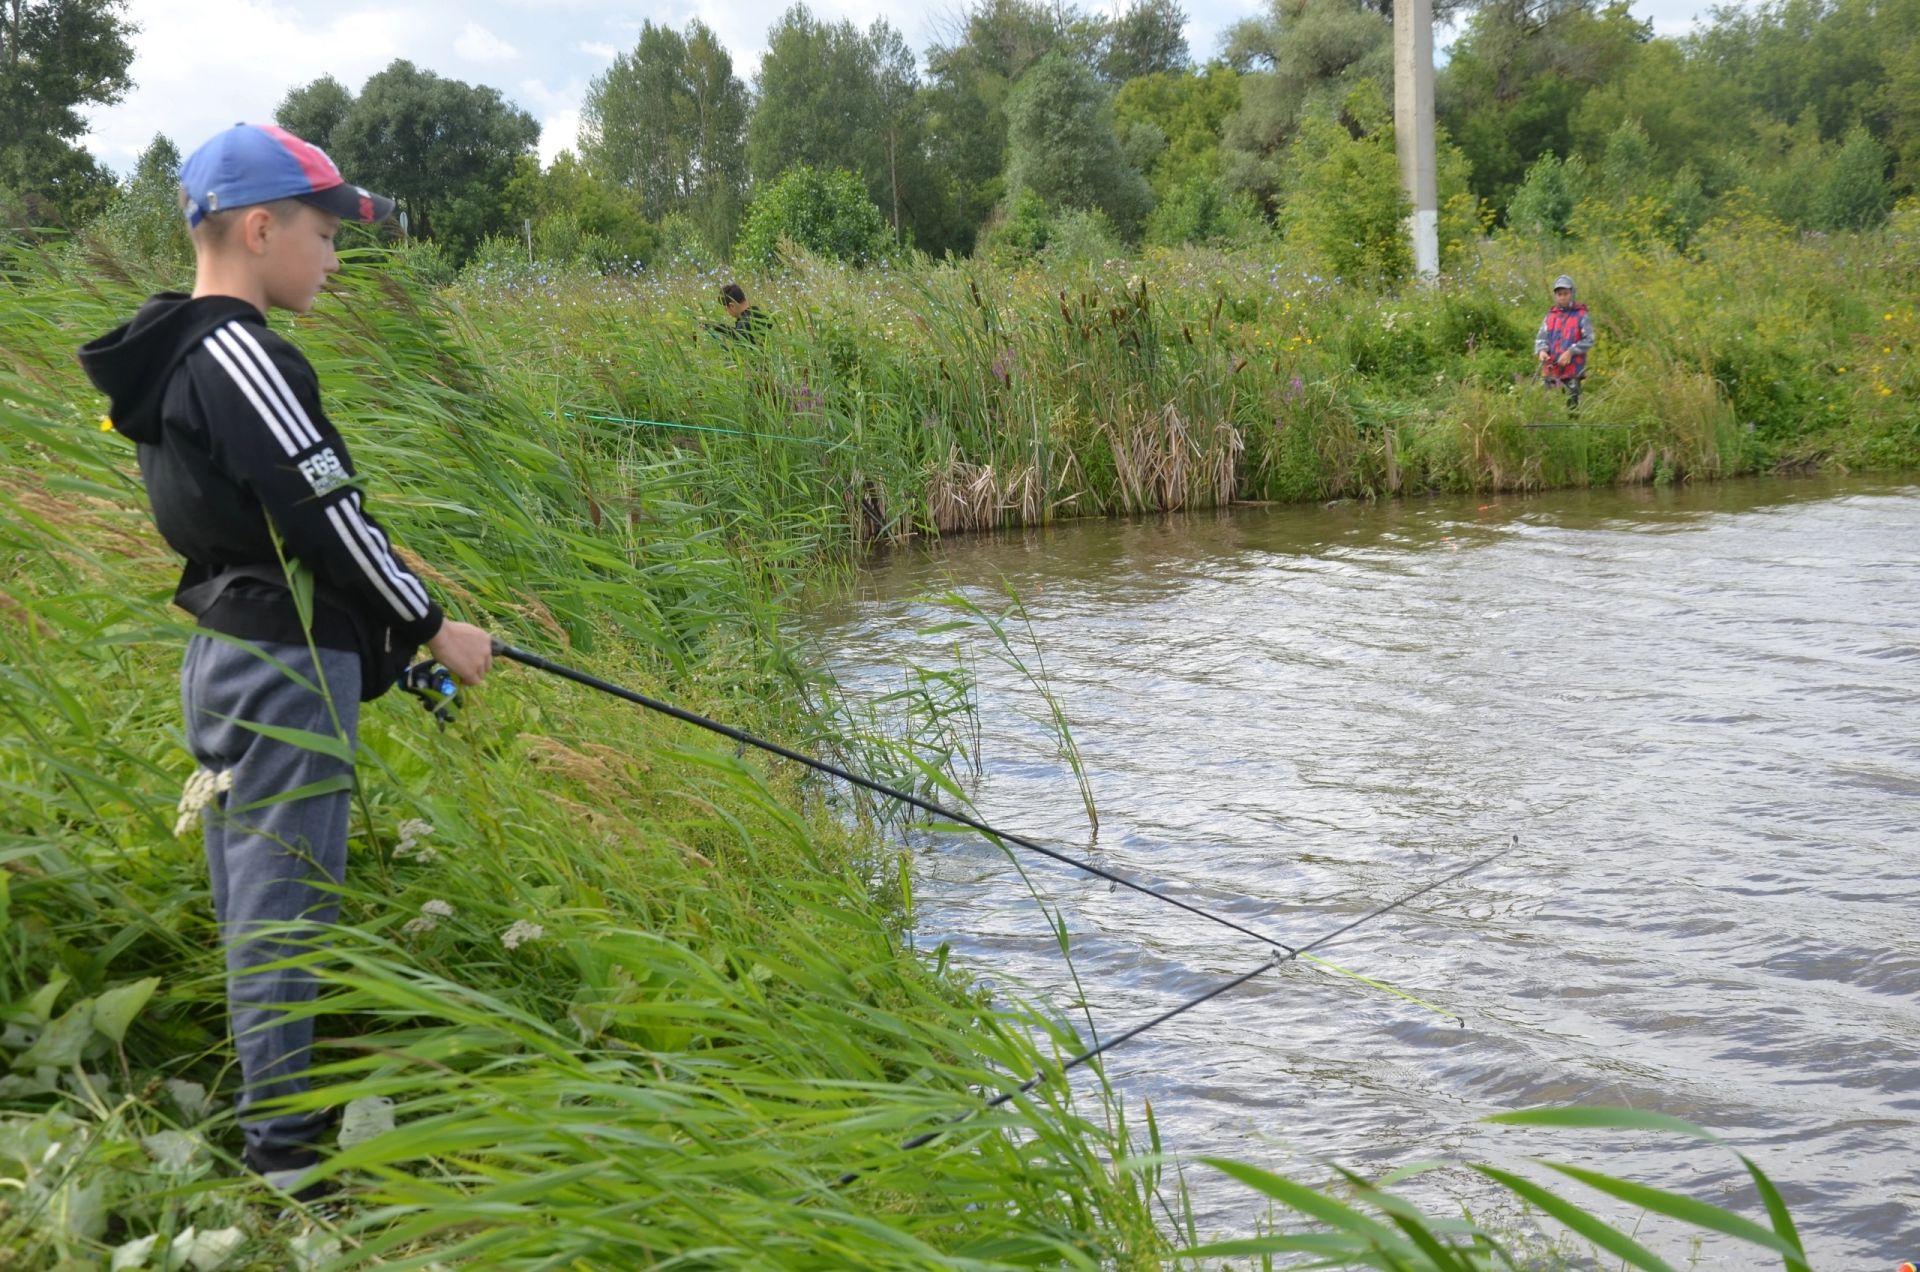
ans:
(477, 44)
(193, 77)
(559, 131)
(604, 52)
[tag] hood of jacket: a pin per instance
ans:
(133, 363)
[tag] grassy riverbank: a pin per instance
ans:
(964, 397)
(720, 1010)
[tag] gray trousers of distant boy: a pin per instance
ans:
(266, 853)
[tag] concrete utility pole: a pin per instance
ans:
(1413, 127)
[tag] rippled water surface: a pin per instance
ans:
(1699, 711)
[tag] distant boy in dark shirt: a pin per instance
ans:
(244, 472)
(747, 321)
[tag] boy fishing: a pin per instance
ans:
(1562, 343)
(303, 608)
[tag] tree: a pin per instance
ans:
(970, 77)
(823, 211)
(1149, 38)
(1855, 194)
(144, 222)
(1344, 203)
(569, 202)
(57, 56)
(831, 96)
(312, 111)
(1543, 205)
(1062, 146)
(1787, 56)
(669, 121)
(442, 148)
(1518, 75)
(1691, 114)
(1301, 61)
(814, 99)
(1187, 113)
(919, 199)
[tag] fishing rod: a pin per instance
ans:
(503, 650)
(1283, 954)
(1275, 960)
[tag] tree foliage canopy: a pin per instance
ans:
(1062, 144)
(1055, 123)
(669, 120)
(829, 95)
(442, 148)
(56, 57)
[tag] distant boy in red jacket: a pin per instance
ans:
(1562, 343)
(251, 483)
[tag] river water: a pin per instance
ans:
(1699, 711)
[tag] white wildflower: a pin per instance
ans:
(198, 793)
(429, 917)
(205, 1251)
(134, 1254)
(412, 832)
(520, 933)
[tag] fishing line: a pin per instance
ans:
(1276, 960)
(1284, 953)
(503, 650)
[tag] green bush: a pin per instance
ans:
(826, 212)
(1543, 206)
(1344, 202)
(1201, 210)
(1022, 231)
(1080, 236)
(1855, 194)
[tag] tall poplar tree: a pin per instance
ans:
(669, 121)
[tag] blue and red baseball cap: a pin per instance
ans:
(259, 163)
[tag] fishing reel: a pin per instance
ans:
(435, 687)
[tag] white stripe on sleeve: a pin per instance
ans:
(246, 387)
(383, 552)
(373, 575)
(277, 383)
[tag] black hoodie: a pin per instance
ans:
(231, 436)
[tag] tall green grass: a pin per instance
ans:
(945, 397)
(603, 995)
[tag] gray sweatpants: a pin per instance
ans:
(265, 853)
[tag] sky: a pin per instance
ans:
(193, 77)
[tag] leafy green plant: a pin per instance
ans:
(1373, 1227)
(827, 212)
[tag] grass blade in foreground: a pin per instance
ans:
(1431, 1244)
